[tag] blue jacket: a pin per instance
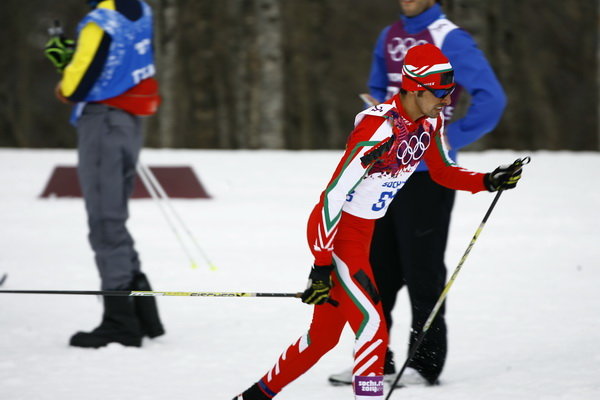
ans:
(471, 71)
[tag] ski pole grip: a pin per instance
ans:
(329, 300)
(518, 163)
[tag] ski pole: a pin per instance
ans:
(518, 163)
(152, 293)
(167, 201)
(159, 194)
(3, 279)
(158, 201)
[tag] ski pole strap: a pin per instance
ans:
(519, 162)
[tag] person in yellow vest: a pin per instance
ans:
(110, 83)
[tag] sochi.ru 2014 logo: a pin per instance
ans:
(412, 150)
(399, 46)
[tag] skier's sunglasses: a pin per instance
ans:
(439, 93)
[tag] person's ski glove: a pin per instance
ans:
(504, 177)
(60, 52)
(319, 285)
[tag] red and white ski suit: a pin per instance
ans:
(341, 225)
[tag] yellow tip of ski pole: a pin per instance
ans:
(212, 267)
(194, 265)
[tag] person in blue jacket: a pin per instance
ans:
(110, 83)
(408, 247)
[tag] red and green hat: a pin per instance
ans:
(427, 66)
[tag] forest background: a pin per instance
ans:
(285, 74)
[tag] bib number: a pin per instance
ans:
(383, 199)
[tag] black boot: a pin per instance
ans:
(253, 393)
(389, 367)
(146, 309)
(119, 325)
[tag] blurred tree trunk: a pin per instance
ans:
(15, 94)
(240, 12)
(256, 74)
(267, 97)
(303, 61)
(166, 38)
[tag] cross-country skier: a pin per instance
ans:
(409, 252)
(387, 144)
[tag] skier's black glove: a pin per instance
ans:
(319, 285)
(504, 177)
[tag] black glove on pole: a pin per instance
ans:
(515, 167)
(319, 285)
(505, 176)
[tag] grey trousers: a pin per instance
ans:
(109, 144)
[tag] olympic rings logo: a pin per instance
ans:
(413, 150)
(399, 46)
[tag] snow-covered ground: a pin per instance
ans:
(524, 313)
